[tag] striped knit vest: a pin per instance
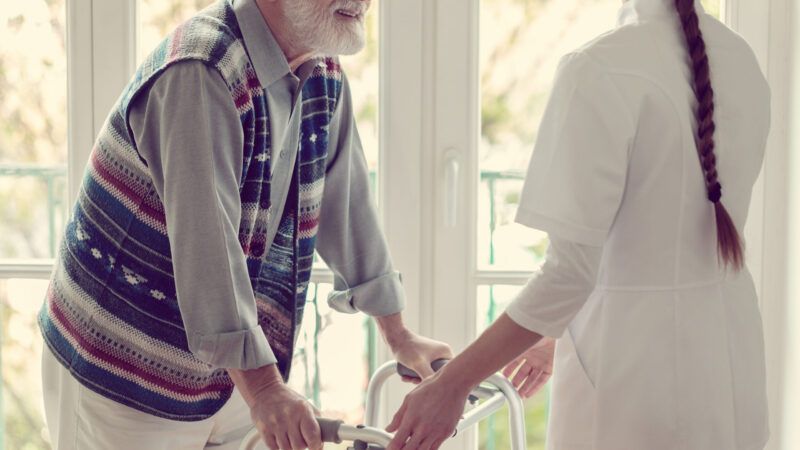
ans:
(111, 314)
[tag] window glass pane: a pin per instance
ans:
(21, 406)
(33, 127)
(362, 70)
(156, 18)
(520, 45)
(363, 73)
(331, 366)
(713, 7)
(493, 432)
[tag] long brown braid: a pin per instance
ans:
(729, 245)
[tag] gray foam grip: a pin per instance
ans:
(404, 371)
(329, 429)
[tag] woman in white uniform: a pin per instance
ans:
(642, 176)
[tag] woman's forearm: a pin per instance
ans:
(503, 341)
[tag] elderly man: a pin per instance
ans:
(229, 158)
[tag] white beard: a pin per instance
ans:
(321, 30)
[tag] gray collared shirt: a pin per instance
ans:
(185, 124)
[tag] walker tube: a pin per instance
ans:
(482, 411)
(365, 434)
(483, 393)
(251, 440)
(516, 416)
(374, 388)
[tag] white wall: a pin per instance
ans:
(791, 418)
(772, 37)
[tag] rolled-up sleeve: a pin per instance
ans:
(350, 239)
(557, 292)
(188, 131)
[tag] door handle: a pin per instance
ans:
(452, 167)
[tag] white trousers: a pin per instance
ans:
(80, 419)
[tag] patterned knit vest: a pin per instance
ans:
(111, 314)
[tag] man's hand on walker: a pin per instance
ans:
(429, 415)
(285, 419)
(410, 349)
(533, 367)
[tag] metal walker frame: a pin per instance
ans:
(493, 393)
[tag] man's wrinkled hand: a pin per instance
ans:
(418, 352)
(410, 349)
(285, 419)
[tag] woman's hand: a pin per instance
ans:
(533, 367)
(428, 416)
(430, 413)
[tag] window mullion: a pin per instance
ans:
(454, 178)
(38, 270)
(80, 90)
(404, 113)
(100, 60)
(114, 53)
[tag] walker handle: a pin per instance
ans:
(404, 371)
(329, 429)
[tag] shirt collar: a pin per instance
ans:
(268, 58)
(634, 11)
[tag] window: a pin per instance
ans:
(33, 135)
(520, 46)
(33, 180)
(22, 408)
(448, 96)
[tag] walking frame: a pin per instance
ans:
(484, 401)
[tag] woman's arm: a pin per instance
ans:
(430, 413)
(503, 341)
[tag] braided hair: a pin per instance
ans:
(729, 245)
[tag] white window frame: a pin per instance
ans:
(96, 31)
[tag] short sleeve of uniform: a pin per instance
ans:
(577, 173)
